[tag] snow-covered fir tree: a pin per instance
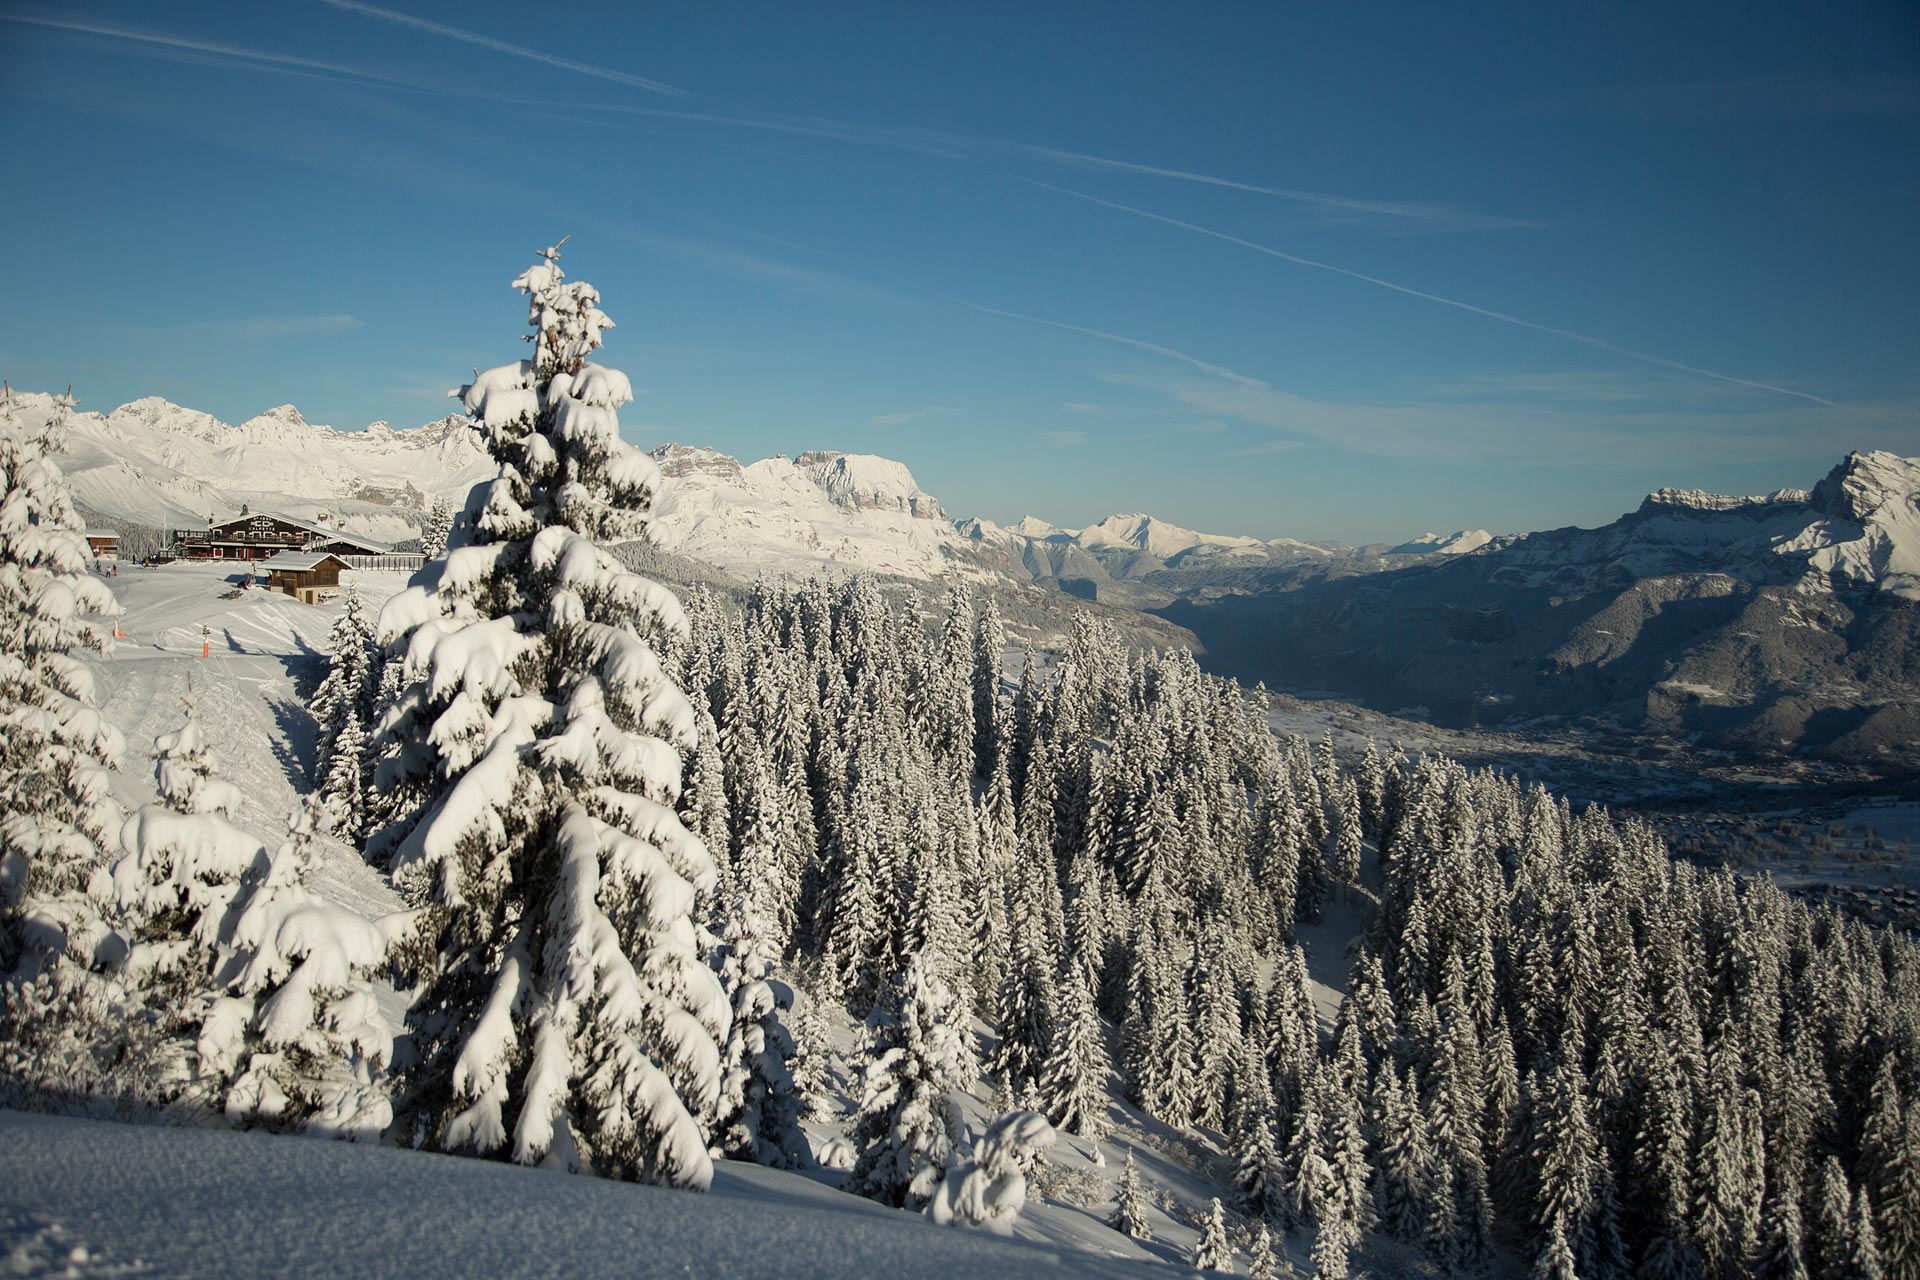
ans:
(56, 754)
(298, 1028)
(1213, 1251)
(1129, 1215)
(564, 1013)
(759, 1103)
(988, 1188)
(916, 1057)
(173, 888)
(1073, 1081)
(1263, 1263)
(345, 707)
(435, 528)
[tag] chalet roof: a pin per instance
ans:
(354, 541)
(297, 521)
(102, 533)
(298, 560)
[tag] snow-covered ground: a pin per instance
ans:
(265, 652)
(87, 1198)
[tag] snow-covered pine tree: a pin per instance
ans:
(564, 1011)
(56, 754)
(1262, 1262)
(352, 681)
(916, 1057)
(759, 1107)
(1213, 1251)
(1129, 1215)
(1074, 1078)
(299, 1033)
(1782, 1255)
(812, 1083)
(1863, 1244)
(435, 528)
(173, 888)
(1257, 1170)
(989, 1188)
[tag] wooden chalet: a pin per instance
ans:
(251, 535)
(103, 542)
(259, 535)
(307, 576)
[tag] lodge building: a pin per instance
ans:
(259, 535)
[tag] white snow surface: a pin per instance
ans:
(153, 1201)
(247, 695)
(160, 464)
(1444, 544)
(799, 515)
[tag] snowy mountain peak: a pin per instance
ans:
(279, 418)
(867, 482)
(1444, 544)
(1035, 527)
(1157, 538)
(1669, 500)
(979, 529)
(680, 460)
(156, 463)
(1866, 484)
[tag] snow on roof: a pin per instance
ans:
(370, 546)
(299, 560)
(102, 533)
(302, 522)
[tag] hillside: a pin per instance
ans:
(1786, 622)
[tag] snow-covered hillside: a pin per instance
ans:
(159, 464)
(1444, 544)
(1859, 528)
(89, 1199)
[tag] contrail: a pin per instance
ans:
(1599, 344)
(196, 46)
(1419, 212)
(1218, 371)
(501, 46)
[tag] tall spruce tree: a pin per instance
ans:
(564, 1012)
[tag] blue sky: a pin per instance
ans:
(1329, 271)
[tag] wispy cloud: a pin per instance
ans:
(1438, 215)
(736, 262)
(478, 40)
(204, 48)
(911, 415)
(1064, 439)
(1266, 448)
(298, 326)
(1402, 214)
(1598, 344)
